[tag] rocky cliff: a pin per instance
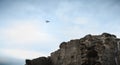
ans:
(101, 49)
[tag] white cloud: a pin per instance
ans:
(25, 32)
(22, 54)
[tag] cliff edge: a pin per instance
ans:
(101, 49)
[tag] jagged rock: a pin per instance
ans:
(39, 61)
(101, 49)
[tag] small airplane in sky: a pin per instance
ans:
(47, 21)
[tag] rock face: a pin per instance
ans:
(39, 61)
(101, 49)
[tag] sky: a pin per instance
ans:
(24, 33)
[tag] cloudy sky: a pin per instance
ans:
(24, 32)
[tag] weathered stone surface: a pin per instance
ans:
(39, 61)
(90, 50)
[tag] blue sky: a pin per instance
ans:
(25, 34)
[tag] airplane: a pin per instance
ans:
(47, 21)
